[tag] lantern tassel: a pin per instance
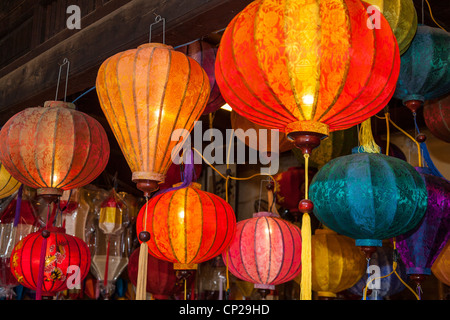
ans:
(141, 285)
(366, 140)
(141, 288)
(306, 273)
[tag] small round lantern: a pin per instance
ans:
(336, 263)
(437, 117)
(425, 68)
(402, 17)
(161, 278)
(186, 226)
(266, 250)
(64, 254)
(8, 185)
(383, 258)
(369, 197)
(419, 247)
(205, 54)
(441, 266)
(54, 148)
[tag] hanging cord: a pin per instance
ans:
(388, 134)
(158, 19)
(65, 61)
(394, 271)
(406, 134)
(431, 15)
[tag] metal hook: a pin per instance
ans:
(158, 19)
(65, 61)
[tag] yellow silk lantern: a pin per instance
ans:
(8, 185)
(337, 264)
(401, 16)
(441, 267)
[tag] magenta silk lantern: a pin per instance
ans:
(266, 250)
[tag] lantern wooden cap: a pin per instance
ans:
(60, 104)
(306, 141)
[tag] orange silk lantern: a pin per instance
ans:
(441, 266)
(54, 148)
(64, 254)
(187, 226)
(307, 67)
(146, 94)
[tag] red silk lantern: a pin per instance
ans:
(54, 148)
(187, 226)
(266, 250)
(205, 54)
(437, 117)
(290, 187)
(63, 255)
(161, 278)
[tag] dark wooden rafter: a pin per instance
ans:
(31, 79)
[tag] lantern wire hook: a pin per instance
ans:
(158, 19)
(65, 62)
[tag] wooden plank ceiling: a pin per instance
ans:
(34, 40)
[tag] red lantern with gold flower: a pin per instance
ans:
(53, 148)
(67, 260)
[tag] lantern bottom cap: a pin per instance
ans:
(185, 266)
(264, 286)
(308, 126)
(327, 294)
(146, 175)
(368, 243)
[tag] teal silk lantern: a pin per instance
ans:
(368, 197)
(424, 68)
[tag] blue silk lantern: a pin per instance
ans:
(368, 197)
(424, 68)
(388, 286)
(420, 247)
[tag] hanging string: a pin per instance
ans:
(388, 133)
(431, 15)
(409, 136)
(65, 61)
(105, 278)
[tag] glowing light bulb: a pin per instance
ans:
(227, 107)
(308, 99)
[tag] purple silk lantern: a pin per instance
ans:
(420, 247)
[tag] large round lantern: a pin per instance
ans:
(401, 16)
(147, 95)
(266, 250)
(441, 266)
(53, 148)
(307, 66)
(425, 68)
(205, 54)
(419, 247)
(187, 226)
(161, 278)
(8, 185)
(383, 258)
(369, 197)
(437, 117)
(66, 260)
(337, 263)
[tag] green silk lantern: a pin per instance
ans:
(369, 197)
(425, 68)
(402, 17)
